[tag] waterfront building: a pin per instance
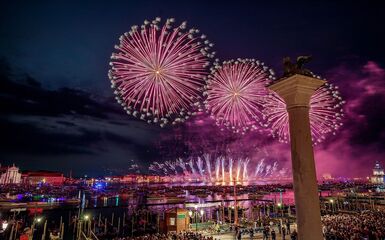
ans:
(43, 177)
(327, 177)
(378, 174)
(10, 175)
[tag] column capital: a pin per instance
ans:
(296, 90)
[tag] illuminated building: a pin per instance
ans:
(131, 178)
(378, 174)
(10, 175)
(43, 177)
(327, 176)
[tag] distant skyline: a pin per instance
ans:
(58, 111)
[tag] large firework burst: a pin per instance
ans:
(235, 93)
(158, 71)
(326, 111)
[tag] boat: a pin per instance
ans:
(11, 205)
(43, 205)
(72, 201)
(175, 199)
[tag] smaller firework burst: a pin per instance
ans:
(325, 113)
(235, 93)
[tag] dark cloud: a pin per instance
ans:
(40, 124)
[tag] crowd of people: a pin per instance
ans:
(365, 225)
(170, 236)
(269, 233)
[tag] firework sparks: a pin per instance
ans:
(326, 111)
(158, 71)
(235, 93)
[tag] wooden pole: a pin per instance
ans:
(132, 225)
(105, 226)
(44, 230)
(89, 228)
(235, 205)
(16, 230)
(118, 225)
(229, 209)
(144, 225)
(80, 229)
(157, 222)
(62, 231)
(124, 221)
(75, 225)
(32, 229)
(11, 234)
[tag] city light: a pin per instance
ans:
(4, 225)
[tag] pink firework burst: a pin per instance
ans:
(326, 112)
(158, 71)
(235, 93)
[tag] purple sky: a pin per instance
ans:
(351, 152)
(362, 139)
(58, 112)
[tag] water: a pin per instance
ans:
(108, 205)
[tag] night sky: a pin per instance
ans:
(57, 107)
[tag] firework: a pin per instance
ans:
(158, 71)
(219, 169)
(235, 93)
(325, 113)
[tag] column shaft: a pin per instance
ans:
(304, 175)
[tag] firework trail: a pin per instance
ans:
(239, 166)
(217, 167)
(182, 164)
(245, 163)
(231, 168)
(275, 167)
(158, 71)
(171, 166)
(326, 112)
(267, 170)
(200, 166)
(236, 92)
(223, 168)
(259, 167)
(191, 164)
(208, 165)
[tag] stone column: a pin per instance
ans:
(296, 91)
